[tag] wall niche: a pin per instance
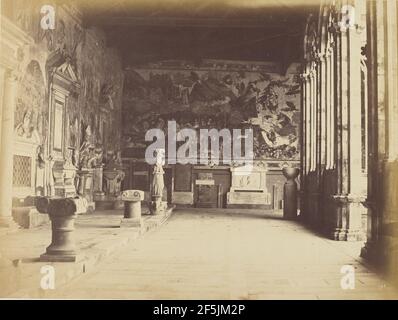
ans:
(63, 89)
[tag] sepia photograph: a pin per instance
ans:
(216, 151)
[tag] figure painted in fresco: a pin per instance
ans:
(279, 123)
(26, 128)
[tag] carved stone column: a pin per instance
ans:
(351, 189)
(12, 41)
(6, 150)
(382, 238)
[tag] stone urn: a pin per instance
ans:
(290, 193)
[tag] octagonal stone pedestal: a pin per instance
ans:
(132, 209)
(62, 213)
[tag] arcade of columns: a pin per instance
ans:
(349, 182)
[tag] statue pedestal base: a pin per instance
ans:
(158, 207)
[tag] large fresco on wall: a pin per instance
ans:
(196, 98)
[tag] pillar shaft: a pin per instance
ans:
(6, 150)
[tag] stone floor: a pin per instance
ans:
(97, 236)
(228, 254)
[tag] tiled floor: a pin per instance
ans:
(234, 254)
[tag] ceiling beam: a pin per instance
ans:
(113, 21)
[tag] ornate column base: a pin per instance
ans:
(339, 234)
(349, 210)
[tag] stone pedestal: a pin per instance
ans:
(25, 213)
(157, 206)
(248, 186)
(64, 176)
(132, 208)
(62, 213)
(6, 152)
(85, 186)
(98, 176)
(290, 193)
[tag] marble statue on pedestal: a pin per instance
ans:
(157, 205)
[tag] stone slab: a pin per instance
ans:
(236, 197)
(29, 217)
(131, 223)
(182, 198)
